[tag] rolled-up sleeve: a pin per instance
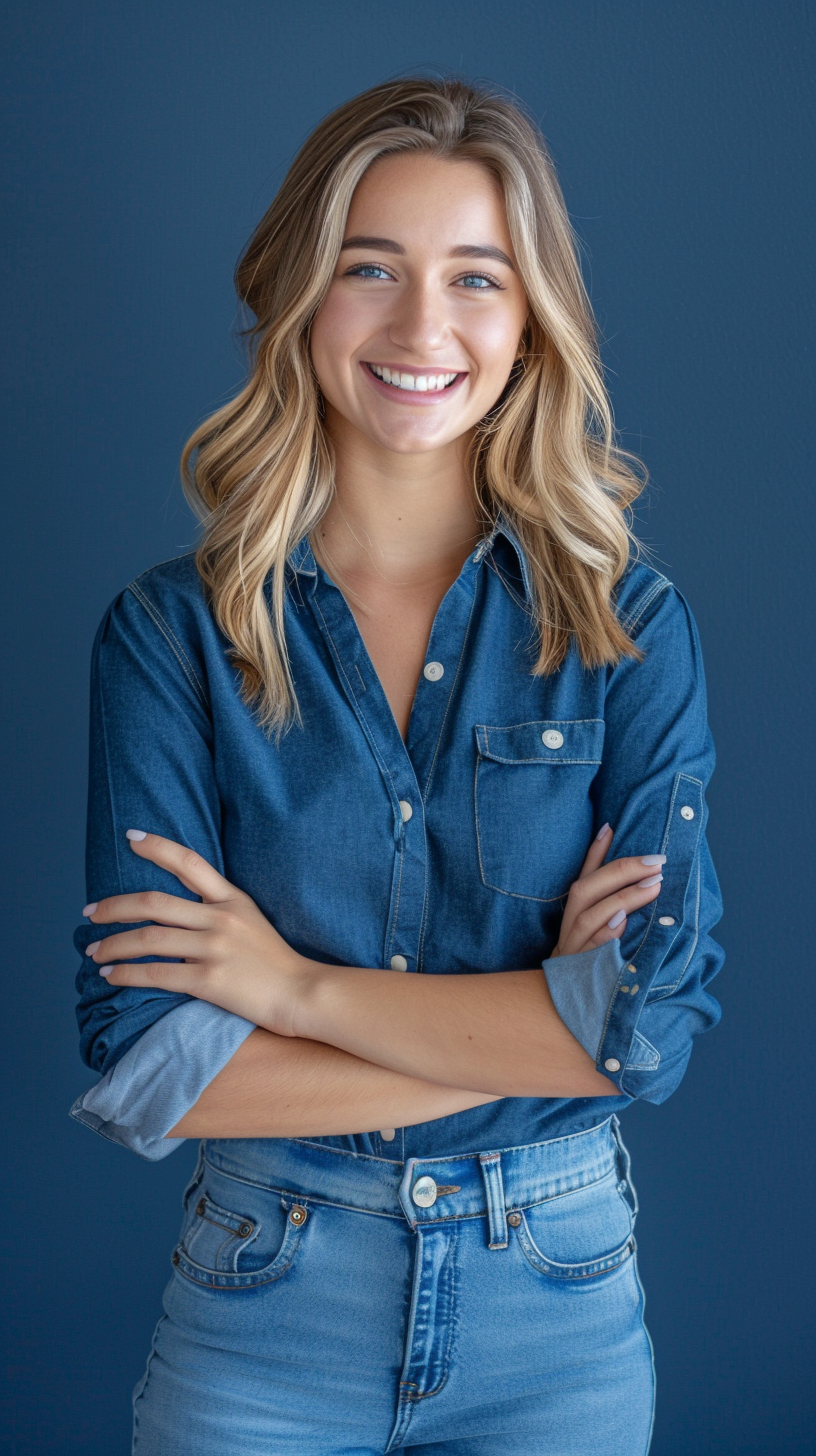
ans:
(636, 1004)
(151, 768)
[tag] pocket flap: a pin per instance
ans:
(550, 740)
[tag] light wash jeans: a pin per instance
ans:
(326, 1302)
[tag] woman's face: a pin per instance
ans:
(417, 335)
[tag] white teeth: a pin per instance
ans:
(422, 383)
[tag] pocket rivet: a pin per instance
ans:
(200, 1206)
(245, 1229)
(175, 1256)
(514, 1219)
(298, 1214)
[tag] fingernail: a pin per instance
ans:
(92, 908)
(602, 832)
(89, 949)
(652, 880)
(105, 970)
(135, 834)
(651, 859)
(616, 919)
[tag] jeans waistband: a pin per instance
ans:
(426, 1190)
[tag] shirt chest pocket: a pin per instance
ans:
(534, 816)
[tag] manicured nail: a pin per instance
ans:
(135, 834)
(89, 949)
(651, 859)
(602, 832)
(616, 919)
(652, 880)
(92, 908)
(105, 970)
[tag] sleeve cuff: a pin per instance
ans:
(161, 1077)
(582, 987)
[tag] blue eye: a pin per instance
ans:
(367, 270)
(480, 279)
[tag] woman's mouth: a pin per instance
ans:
(411, 383)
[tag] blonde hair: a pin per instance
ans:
(546, 454)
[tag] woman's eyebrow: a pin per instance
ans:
(465, 250)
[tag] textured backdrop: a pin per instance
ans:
(144, 143)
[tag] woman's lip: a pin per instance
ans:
(413, 396)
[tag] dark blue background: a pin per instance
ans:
(145, 141)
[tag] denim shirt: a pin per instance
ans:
(449, 853)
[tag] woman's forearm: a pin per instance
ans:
(496, 1030)
(279, 1086)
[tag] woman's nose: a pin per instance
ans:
(420, 321)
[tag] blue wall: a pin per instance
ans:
(145, 142)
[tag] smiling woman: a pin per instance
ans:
(358, 768)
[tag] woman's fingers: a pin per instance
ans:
(148, 940)
(596, 884)
(151, 905)
(597, 851)
(186, 979)
(606, 919)
(188, 866)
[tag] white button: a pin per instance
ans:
(612, 1064)
(687, 812)
(666, 920)
(388, 1134)
(405, 810)
(399, 963)
(635, 990)
(424, 1192)
(552, 738)
(433, 671)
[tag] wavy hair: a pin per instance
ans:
(259, 472)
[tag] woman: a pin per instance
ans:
(381, 723)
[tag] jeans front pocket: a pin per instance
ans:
(582, 1234)
(534, 817)
(238, 1236)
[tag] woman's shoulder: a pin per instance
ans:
(643, 592)
(171, 592)
(167, 604)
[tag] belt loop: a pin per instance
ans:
(494, 1189)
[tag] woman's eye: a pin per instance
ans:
(367, 270)
(481, 282)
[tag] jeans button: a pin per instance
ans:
(424, 1192)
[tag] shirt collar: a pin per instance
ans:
(511, 565)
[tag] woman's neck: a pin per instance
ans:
(403, 519)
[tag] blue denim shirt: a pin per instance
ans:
(449, 853)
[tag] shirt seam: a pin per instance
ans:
(171, 639)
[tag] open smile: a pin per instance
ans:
(410, 383)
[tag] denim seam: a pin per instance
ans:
(357, 705)
(423, 1395)
(171, 639)
(451, 693)
(634, 617)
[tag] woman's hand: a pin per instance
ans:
(604, 894)
(231, 954)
